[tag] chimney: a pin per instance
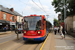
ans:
(12, 9)
(1, 5)
(7, 8)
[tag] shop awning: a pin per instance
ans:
(12, 23)
(3, 21)
(0, 23)
(8, 22)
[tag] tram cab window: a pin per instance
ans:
(25, 25)
(32, 23)
(38, 26)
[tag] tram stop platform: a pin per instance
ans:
(55, 42)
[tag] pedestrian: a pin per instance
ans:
(55, 30)
(5, 28)
(64, 32)
(58, 29)
(61, 30)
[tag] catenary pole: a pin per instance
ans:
(64, 13)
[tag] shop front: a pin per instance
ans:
(12, 25)
(4, 24)
(19, 24)
(0, 26)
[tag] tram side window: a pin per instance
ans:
(44, 25)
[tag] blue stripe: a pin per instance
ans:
(36, 39)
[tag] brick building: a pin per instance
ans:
(8, 18)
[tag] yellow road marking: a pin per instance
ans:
(44, 42)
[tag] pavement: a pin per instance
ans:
(49, 43)
(55, 42)
(1, 33)
(8, 33)
(52, 42)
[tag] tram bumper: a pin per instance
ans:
(35, 39)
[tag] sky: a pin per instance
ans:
(31, 7)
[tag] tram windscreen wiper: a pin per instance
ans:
(36, 29)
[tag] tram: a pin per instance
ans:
(34, 28)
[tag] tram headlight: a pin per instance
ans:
(39, 32)
(24, 31)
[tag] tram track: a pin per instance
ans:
(38, 46)
(19, 47)
(41, 44)
(35, 46)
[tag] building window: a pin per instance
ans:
(4, 16)
(10, 18)
(13, 18)
(19, 19)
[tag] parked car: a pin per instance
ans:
(20, 30)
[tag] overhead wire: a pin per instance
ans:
(43, 8)
(23, 2)
(39, 6)
(36, 4)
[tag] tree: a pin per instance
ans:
(71, 7)
(48, 24)
(59, 6)
(56, 23)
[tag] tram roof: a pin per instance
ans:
(35, 15)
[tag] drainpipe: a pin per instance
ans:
(0, 11)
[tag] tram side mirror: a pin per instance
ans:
(24, 20)
(43, 26)
(44, 19)
(43, 23)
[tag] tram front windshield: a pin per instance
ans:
(32, 23)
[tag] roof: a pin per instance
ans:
(8, 11)
(17, 13)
